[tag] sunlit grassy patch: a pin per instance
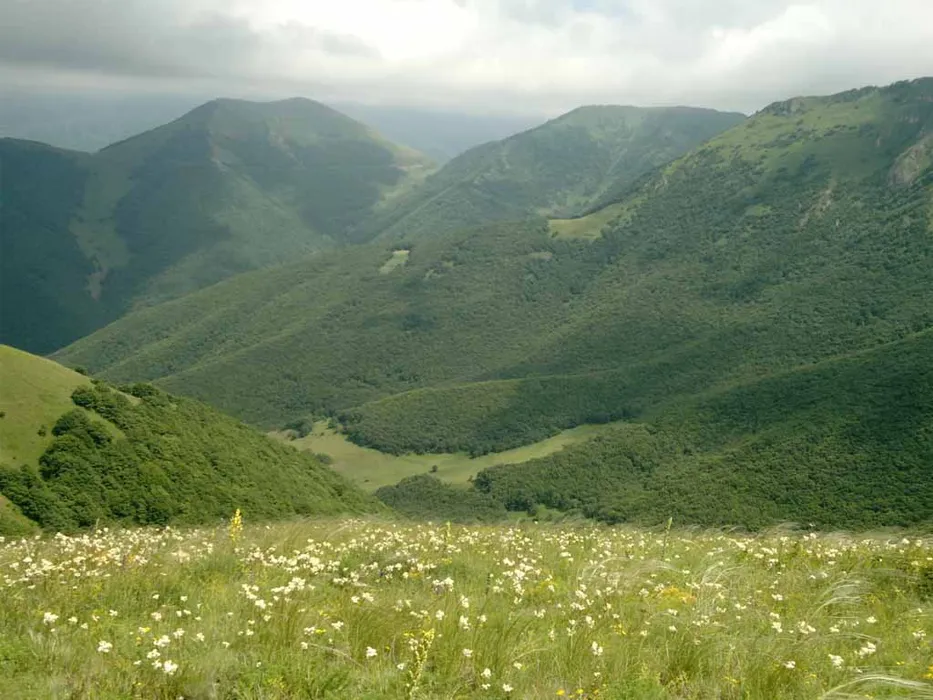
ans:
(372, 469)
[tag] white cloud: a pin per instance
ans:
(528, 54)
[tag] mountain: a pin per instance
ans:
(77, 452)
(89, 121)
(86, 121)
(560, 168)
(228, 187)
(439, 134)
(761, 304)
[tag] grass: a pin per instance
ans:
(589, 227)
(373, 469)
(372, 609)
(35, 392)
(399, 259)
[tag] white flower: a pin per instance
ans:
(169, 667)
(468, 653)
(162, 641)
(199, 636)
(157, 616)
(506, 688)
(154, 654)
(836, 661)
(304, 645)
(178, 634)
(400, 666)
(486, 673)
(867, 649)
(596, 649)
(517, 666)
(49, 618)
(370, 652)
(104, 647)
(439, 615)
(790, 664)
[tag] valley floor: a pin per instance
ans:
(378, 609)
(372, 469)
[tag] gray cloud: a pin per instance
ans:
(509, 55)
(152, 38)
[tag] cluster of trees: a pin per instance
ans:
(140, 456)
(425, 497)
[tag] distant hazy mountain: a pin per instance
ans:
(91, 121)
(761, 306)
(560, 168)
(437, 133)
(228, 187)
(86, 121)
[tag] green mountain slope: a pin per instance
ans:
(228, 187)
(559, 168)
(75, 453)
(800, 237)
(845, 442)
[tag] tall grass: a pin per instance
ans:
(372, 609)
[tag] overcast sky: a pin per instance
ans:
(488, 55)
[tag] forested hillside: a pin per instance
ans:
(228, 187)
(795, 243)
(560, 168)
(76, 453)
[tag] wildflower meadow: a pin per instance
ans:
(379, 609)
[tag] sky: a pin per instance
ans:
(505, 56)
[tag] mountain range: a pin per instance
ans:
(747, 301)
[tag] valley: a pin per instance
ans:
(493, 350)
(746, 315)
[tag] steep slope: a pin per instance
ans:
(141, 456)
(228, 187)
(559, 168)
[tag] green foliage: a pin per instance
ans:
(844, 443)
(179, 462)
(427, 498)
(228, 187)
(561, 167)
